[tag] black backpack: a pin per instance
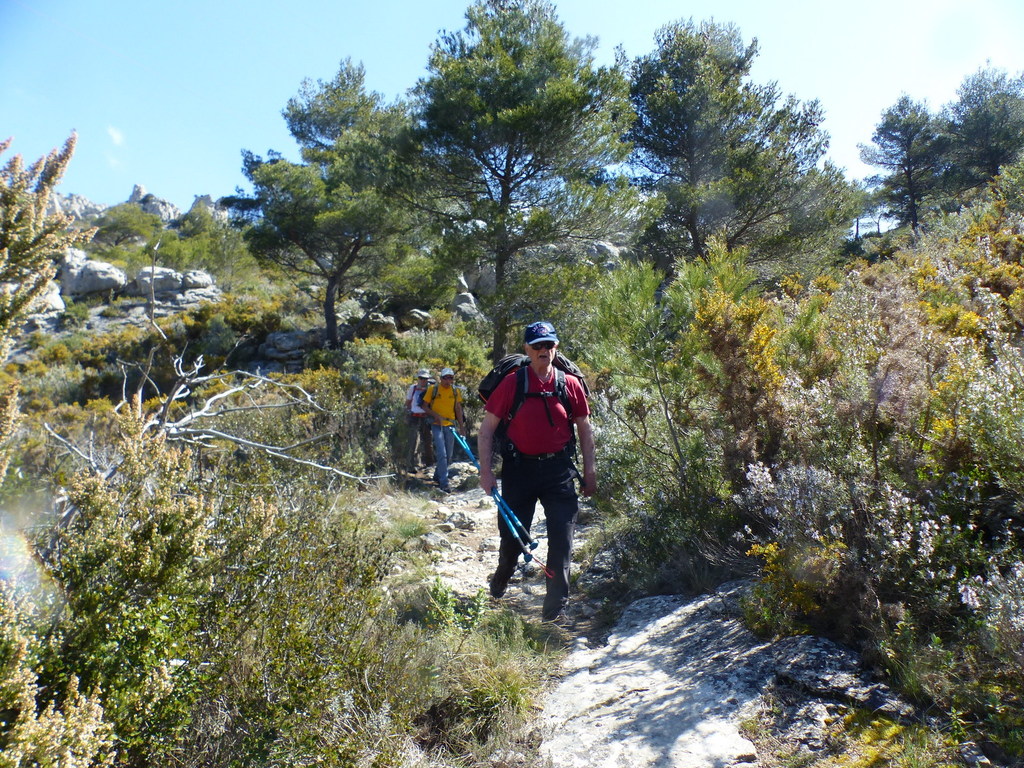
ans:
(518, 362)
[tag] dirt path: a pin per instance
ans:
(467, 545)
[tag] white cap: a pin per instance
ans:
(447, 372)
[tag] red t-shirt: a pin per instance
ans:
(530, 430)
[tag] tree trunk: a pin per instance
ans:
(501, 319)
(498, 340)
(330, 315)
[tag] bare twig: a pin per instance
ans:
(191, 427)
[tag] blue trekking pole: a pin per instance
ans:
(515, 525)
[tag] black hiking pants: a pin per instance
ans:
(524, 482)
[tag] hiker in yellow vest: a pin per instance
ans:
(443, 403)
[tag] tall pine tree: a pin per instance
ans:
(518, 128)
(730, 159)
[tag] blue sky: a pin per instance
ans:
(167, 95)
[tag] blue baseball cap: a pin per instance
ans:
(542, 331)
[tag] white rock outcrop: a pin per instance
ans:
(677, 679)
(155, 280)
(75, 206)
(80, 276)
(47, 303)
(464, 307)
(207, 203)
(157, 206)
(196, 278)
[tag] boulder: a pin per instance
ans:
(464, 307)
(47, 303)
(433, 542)
(349, 311)
(72, 261)
(196, 278)
(288, 346)
(463, 475)
(414, 318)
(378, 324)
(194, 297)
(81, 276)
(481, 279)
(155, 280)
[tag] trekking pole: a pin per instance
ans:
(515, 525)
(502, 504)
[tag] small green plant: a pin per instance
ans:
(446, 610)
(75, 315)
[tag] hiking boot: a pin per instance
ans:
(499, 581)
(498, 585)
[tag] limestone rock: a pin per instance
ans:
(154, 205)
(462, 475)
(288, 346)
(378, 324)
(603, 251)
(459, 519)
(72, 261)
(414, 318)
(433, 542)
(678, 677)
(216, 211)
(81, 276)
(75, 206)
(155, 280)
(193, 297)
(196, 278)
(348, 311)
(481, 280)
(47, 303)
(464, 307)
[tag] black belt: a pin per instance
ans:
(542, 456)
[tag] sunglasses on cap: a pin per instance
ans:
(542, 345)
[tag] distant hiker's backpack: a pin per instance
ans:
(519, 363)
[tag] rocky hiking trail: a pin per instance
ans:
(465, 535)
(677, 682)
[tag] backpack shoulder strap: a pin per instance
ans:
(522, 388)
(562, 392)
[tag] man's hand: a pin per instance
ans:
(487, 481)
(589, 484)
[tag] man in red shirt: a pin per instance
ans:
(537, 462)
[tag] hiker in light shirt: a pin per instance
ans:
(418, 421)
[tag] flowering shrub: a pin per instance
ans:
(866, 434)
